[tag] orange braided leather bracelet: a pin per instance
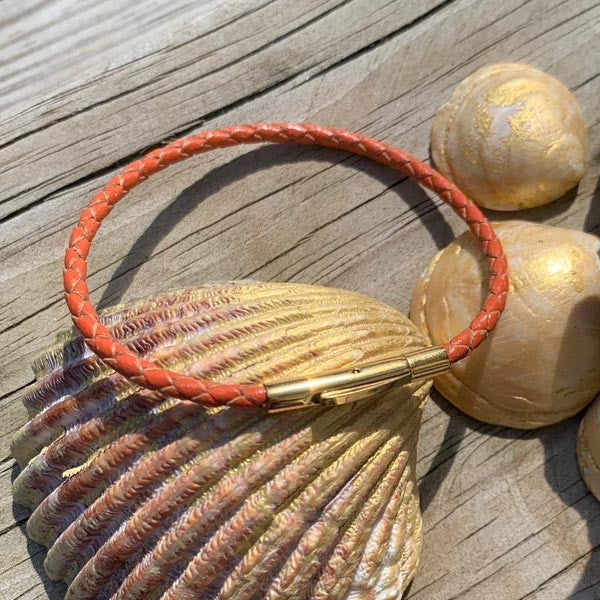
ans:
(333, 388)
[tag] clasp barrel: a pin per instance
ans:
(358, 383)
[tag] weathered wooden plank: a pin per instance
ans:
(506, 515)
(46, 45)
(509, 518)
(42, 262)
(196, 76)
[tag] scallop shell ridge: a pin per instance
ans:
(141, 496)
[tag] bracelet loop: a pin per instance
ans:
(148, 374)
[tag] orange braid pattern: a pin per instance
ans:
(148, 374)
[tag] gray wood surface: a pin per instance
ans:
(85, 86)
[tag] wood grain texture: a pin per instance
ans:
(505, 513)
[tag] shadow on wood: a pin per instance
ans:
(441, 463)
(238, 168)
(592, 219)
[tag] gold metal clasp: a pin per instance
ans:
(359, 383)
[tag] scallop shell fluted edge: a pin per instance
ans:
(141, 496)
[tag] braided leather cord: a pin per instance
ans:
(148, 374)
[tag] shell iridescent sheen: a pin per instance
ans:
(137, 495)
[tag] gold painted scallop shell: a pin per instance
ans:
(542, 362)
(510, 137)
(137, 495)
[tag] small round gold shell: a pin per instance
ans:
(510, 137)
